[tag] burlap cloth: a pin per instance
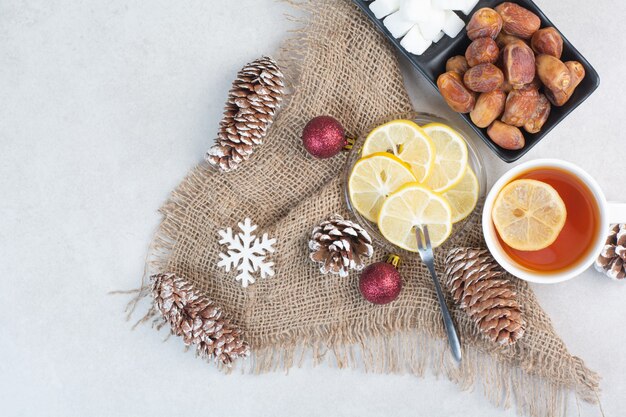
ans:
(343, 67)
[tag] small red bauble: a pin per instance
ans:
(380, 283)
(324, 137)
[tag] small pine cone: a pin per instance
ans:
(227, 158)
(478, 285)
(612, 259)
(249, 112)
(197, 320)
(340, 245)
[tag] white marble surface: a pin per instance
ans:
(104, 106)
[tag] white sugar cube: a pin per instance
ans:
(382, 8)
(453, 24)
(438, 37)
(470, 6)
(397, 24)
(415, 9)
(452, 4)
(433, 14)
(414, 42)
(431, 27)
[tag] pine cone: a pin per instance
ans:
(340, 245)
(197, 320)
(252, 102)
(612, 259)
(478, 285)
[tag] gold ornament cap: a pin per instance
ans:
(350, 141)
(394, 260)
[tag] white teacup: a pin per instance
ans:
(608, 212)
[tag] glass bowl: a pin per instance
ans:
(475, 161)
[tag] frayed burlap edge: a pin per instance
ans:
(391, 349)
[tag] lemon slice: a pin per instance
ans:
(414, 205)
(463, 196)
(529, 215)
(373, 178)
(407, 141)
(450, 157)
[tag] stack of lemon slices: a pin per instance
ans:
(410, 176)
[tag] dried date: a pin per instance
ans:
(489, 107)
(483, 78)
(553, 73)
(518, 21)
(454, 92)
(535, 123)
(485, 23)
(506, 136)
(520, 106)
(457, 64)
(518, 61)
(482, 51)
(577, 74)
(547, 41)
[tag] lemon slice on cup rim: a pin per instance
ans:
(528, 214)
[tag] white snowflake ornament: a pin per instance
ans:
(246, 253)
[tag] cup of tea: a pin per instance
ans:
(583, 233)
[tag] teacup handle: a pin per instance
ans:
(616, 212)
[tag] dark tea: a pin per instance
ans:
(576, 239)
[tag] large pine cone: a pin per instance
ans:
(249, 112)
(197, 320)
(340, 245)
(477, 284)
(612, 259)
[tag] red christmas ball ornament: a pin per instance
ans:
(380, 283)
(324, 137)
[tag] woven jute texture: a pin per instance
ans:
(341, 66)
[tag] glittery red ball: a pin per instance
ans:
(380, 283)
(323, 137)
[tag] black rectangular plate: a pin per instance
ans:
(433, 63)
